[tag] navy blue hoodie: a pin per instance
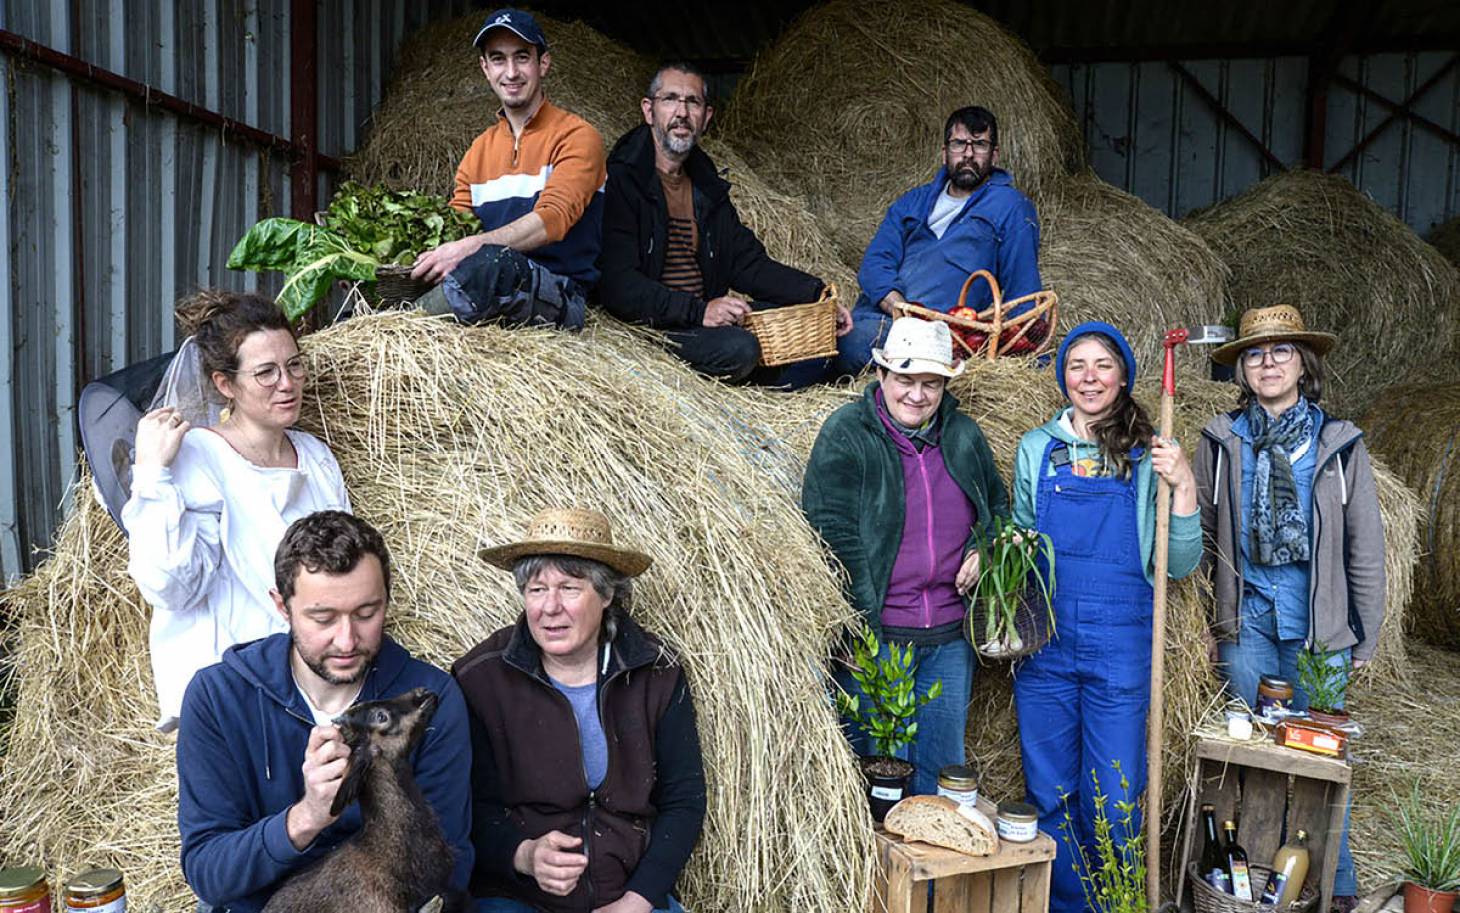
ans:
(240, 750)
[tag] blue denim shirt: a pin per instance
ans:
(1283, 587)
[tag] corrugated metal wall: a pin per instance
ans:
(113, 209)
(1149, 131)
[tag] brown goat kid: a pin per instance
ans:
(399, 860)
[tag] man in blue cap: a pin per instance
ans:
(535, 180)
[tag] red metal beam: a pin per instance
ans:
(1398, 110)
(25, 49)
(303, 110)
(1221, 111)
(1438, 129)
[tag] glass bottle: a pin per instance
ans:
(1237, 864)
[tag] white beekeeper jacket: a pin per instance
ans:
(201, 539)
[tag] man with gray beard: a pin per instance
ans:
(674, 246)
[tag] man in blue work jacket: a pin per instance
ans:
(970, 217)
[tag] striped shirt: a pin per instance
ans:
(681, 266)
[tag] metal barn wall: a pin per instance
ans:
(1149, 130)
(114, 209)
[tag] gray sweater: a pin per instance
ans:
(1346, 572)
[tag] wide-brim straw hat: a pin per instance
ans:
(917, 346)
(569, 531)
(1272, 324)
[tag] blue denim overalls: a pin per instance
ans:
(1082, 699)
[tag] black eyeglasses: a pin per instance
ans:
(268, 375)
(1282, 353)
(960, 146)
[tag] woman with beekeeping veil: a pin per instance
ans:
(1087, 478)
(588, 788)
(1291, 518)
(219, 473)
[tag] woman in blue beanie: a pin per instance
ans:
(1087, 478)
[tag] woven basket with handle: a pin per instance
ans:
(797, 332)
(1208, 899)
(993, 333)
(394, 286)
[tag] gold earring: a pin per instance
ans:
(227, 413)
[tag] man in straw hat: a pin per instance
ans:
(969, 217)
(674, 246)
(535, 180)
(583, 734)
(1290, 508)
(902, 487)
(259, 759)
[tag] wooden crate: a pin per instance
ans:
(1013, 880)
(1270, 791)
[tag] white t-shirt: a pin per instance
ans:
(945, 208)
(322, 717)
(201, 539)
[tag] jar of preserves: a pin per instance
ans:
(96, 891)
(24, 890)
(959, 783)
(1274, 698)
(1018, 822)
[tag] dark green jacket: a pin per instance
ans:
(853, 493)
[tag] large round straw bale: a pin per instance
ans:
(1111, 257)
(1315, 241)
(447, 435)
(1416, 428)
(850, 101)
(1446, 239)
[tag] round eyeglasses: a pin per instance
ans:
(1281, 354)
(269, 375)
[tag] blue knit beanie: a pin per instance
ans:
(1104, 329)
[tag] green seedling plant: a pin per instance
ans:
(1430, 838)
(1324, 680)
(887, 713)
(1009, 560)
(1115, 881)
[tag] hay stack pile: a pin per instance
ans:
(1446, 239)
(438, 102)
(1111, 257)
(444, 437)
(1314, 240)
(1416, 429)
(850, 101)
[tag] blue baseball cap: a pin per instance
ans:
(1104, 329)
(519, 23)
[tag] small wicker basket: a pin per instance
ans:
(1031, 623)
(394, 286)
(992, 333)
(1208, 899)
(798, 332)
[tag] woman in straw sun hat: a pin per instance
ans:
(1087, 478)
(902, 487)
(1291, 513)
(588, 787)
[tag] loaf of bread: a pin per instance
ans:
(942, 822)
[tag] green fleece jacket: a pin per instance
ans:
(853, 495)
(1185, 536)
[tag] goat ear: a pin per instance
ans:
(355, 769)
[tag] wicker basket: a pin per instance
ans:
(1031, 622)
(991, 334)
(1208, 899)
(798, 332)
(394, 286)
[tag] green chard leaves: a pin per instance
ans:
(311, 257)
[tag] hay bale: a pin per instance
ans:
(436, 104)
(849, 103)
(1113, 258)
(444, 437)
(1409, 738)
(1446, 239)
(1315, 241)
(1416, 428)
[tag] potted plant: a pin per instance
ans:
(1324, 680)
(885, 713)
(1431, 841)
(1012, 611)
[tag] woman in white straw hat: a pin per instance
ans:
(1291, 515)
(587, 781)
(902, 487)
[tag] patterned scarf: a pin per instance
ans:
(1279, 529)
